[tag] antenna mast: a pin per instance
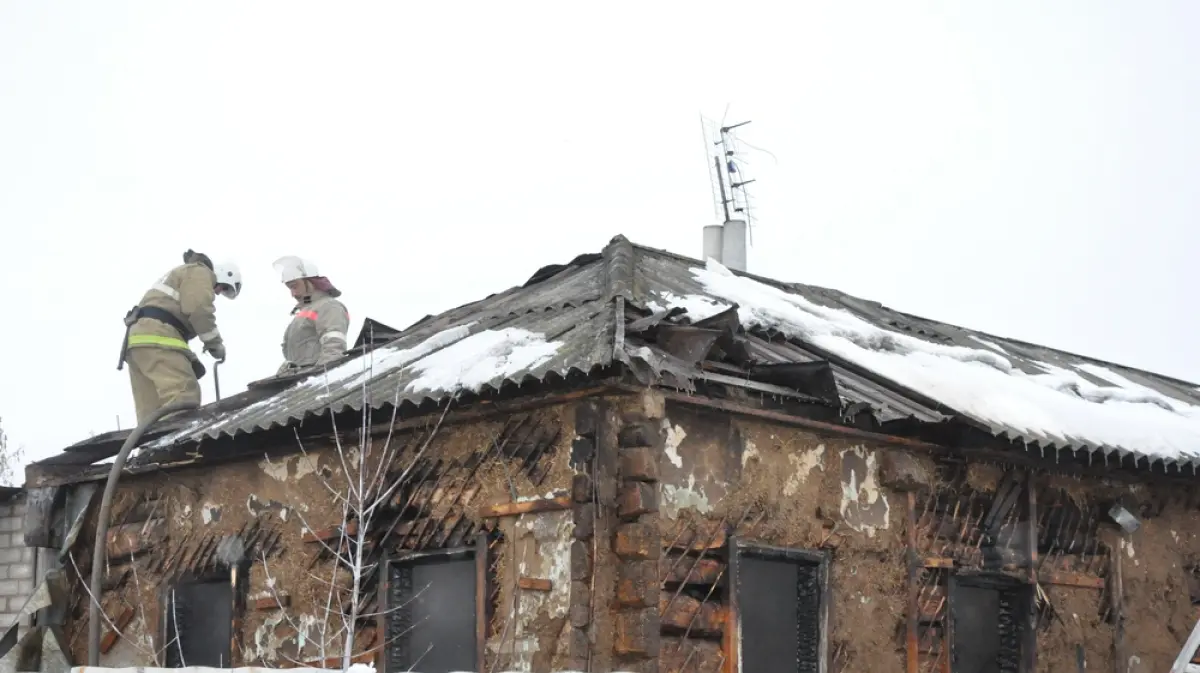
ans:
(726, 242)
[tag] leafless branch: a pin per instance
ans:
(368, 486)
(141, 608)
(413, 463)
(175, 621)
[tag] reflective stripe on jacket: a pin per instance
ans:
(155, 340)
(317, 333)
(186, 292)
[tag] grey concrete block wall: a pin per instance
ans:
(17, 562)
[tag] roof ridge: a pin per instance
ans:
(618, 268)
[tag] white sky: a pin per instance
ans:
(1028, 171)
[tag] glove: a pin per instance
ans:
(217, 351)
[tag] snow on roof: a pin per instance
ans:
(482, 358)
(449, 361)
(382, 360)
(1059, 405)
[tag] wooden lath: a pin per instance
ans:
(435, 506)
(522, 438)
(202, 552)
(1030, 532)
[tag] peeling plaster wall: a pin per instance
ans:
(540, 545)
(810, 490)
(864, 506)
(713, 464)
(287, 496)
(696, 471)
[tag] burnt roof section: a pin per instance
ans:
(609, 308)
(375, 333)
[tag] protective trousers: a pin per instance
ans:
(160, 376)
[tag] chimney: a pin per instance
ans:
(726, 243)
(733, 245)
(713, 241)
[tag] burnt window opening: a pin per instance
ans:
(782, 602)
(199, 623)
(434, 614)
(990, 624)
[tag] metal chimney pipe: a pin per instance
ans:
(733, 244)
(713, 236)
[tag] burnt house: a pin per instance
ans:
(638, 461)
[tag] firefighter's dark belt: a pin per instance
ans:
(164, 316)
(155, 313)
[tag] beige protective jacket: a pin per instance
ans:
(186, 292)
(317, 333)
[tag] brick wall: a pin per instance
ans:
(17, 562)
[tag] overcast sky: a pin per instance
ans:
(1029, 171)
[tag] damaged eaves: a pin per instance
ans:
(282, 440)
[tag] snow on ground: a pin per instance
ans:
(481, 358)
(979, 383)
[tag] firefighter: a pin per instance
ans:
(317, 334)
(176, 309)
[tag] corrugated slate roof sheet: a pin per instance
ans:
(579, 330)
(573, 306)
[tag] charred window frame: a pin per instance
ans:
(201, 615)
(395, 617)
(990, 626)
(808, 649)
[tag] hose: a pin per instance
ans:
(110, 489)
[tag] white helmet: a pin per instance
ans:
(293, 268)
(230, 276)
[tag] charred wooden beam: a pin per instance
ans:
(684, 613)
(331, 533)
(535, 584)
(125, 541)
(1068, 579)
(730, 642)
(1116, 596)
(526, 507)
(278, 601)
(705, 536)
(635, 498)
(110, 637)
(914, 610)
(1058, 578)
(704, 571)
(681, 655)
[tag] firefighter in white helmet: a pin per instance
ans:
(317, 333)
(176, 309)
